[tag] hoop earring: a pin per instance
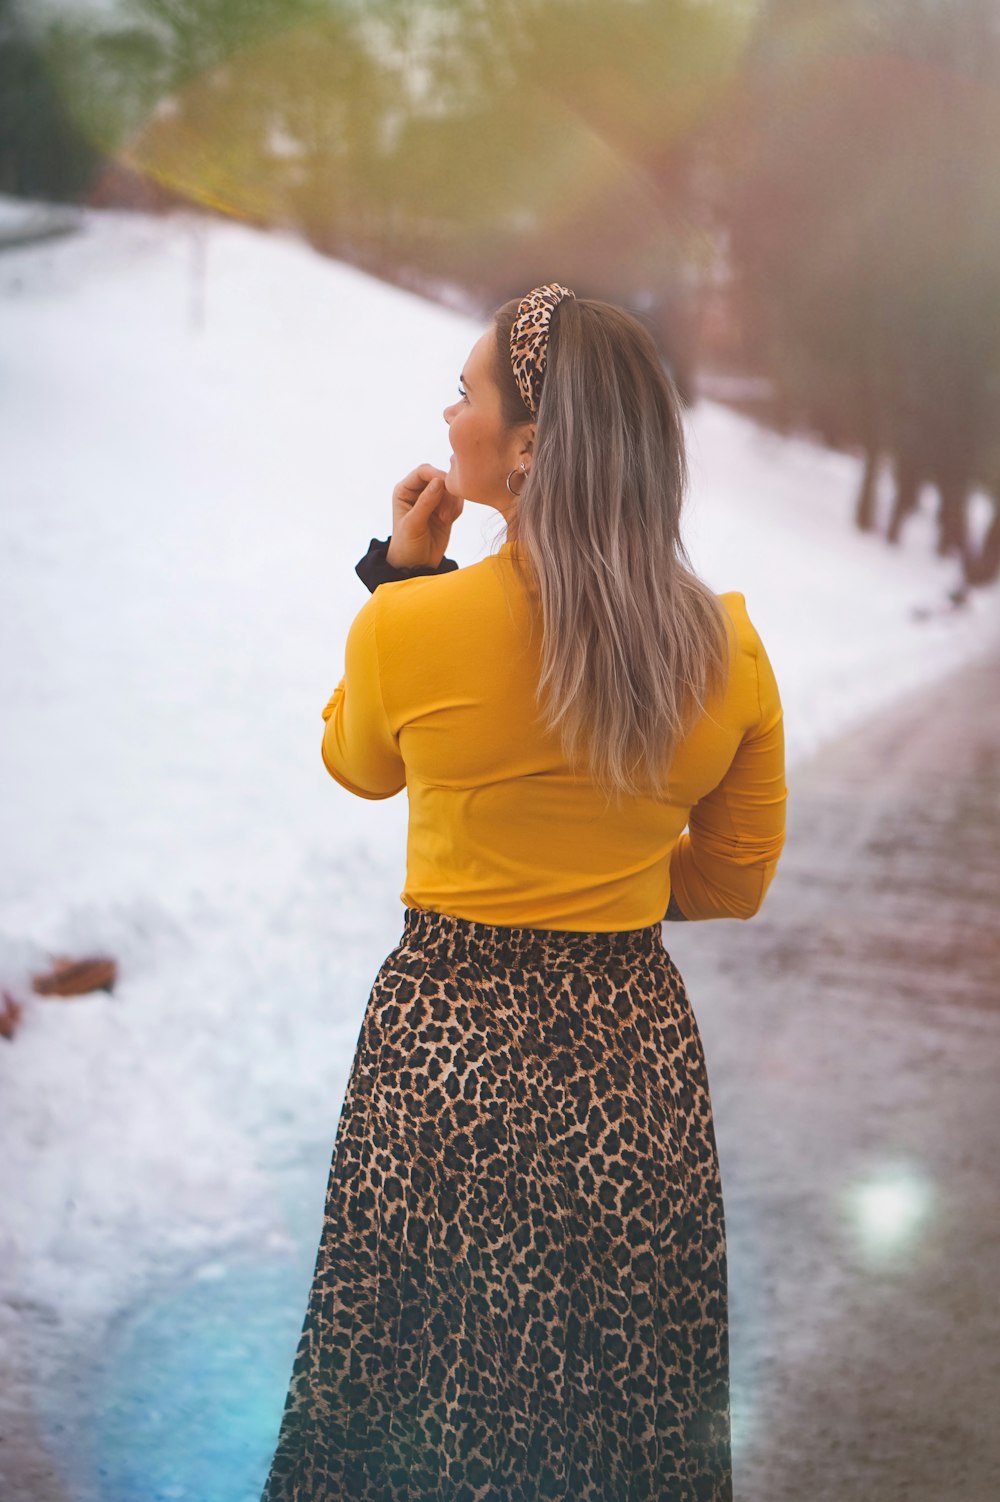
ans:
(514, 472)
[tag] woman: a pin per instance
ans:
(520, 1290)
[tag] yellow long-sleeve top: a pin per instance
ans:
(438, 696)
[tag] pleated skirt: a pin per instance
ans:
(520, 1289)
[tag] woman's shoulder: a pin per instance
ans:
(428, 592)
(448, 608)
(734, 602)
(753, 677)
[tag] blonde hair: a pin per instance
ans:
(633, 641)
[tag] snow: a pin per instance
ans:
(201, 426)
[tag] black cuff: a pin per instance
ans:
(373, 569)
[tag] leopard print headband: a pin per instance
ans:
(529, 339)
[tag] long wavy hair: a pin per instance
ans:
(633, 641)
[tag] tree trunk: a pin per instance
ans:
(864, 515)
(908, 483)
(954, 493)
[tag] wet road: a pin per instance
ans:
(852, 1031)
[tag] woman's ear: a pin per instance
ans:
(528, 441)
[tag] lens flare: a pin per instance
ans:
(887, 1209)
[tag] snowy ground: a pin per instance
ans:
(200, 428)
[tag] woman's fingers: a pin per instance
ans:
(436, 504)
(423, 512)
(413, 485)
(429, 498)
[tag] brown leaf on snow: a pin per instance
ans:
(11, 1012)
(76, 977)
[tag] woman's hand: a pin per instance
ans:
(422, 515)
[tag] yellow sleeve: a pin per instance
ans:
(359, 749)
(724, 863)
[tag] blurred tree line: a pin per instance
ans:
(800, 190)
(43, 154)
(863, 174)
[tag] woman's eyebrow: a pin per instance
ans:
(462, 380)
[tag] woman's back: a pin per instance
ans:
(442, 673)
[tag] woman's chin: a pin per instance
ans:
(453, 484)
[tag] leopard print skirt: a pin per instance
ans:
(520, 1291)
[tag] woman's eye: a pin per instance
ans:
(461, 391)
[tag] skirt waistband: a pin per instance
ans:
(460, 938)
